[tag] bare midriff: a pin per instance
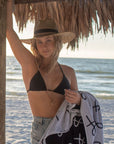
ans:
(45, 103)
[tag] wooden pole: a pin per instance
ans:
(2, 68)
(33, 1)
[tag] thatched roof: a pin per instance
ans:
(70, 15)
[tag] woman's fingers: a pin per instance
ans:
(72, 100)
(71, 93)
(72, 96)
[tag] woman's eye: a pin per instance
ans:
(48, 40)
(39, 42)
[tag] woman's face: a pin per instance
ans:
(45, 46)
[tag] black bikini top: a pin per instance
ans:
(37, 83)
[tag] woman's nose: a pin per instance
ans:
(44, 45)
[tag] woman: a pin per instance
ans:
(47, 82)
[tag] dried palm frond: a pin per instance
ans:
(70, 15)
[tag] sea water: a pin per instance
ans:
(93, 75)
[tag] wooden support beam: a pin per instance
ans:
(34, 1)
(2, 68)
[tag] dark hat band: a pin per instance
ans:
(44, 31)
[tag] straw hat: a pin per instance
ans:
(48, 27)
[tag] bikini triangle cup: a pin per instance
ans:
(37, 83)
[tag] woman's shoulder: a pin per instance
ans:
(69, 72)
(67, 68)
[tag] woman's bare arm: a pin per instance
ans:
(72, 95)
(23, 55)
(74, 85)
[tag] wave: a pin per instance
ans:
(13, 67)
(13, 72)
(108, 77)
(14, 79)
(14, 93)
(105, 96)
(94, 72)
(17, 68)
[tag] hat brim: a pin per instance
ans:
(65, 36)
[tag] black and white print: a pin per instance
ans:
(75, 135)
(76, 125)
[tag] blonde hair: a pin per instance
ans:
(53, 58)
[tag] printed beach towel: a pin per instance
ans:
(66, 118)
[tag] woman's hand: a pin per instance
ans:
(72, 96)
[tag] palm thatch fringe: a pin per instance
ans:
(70, 15)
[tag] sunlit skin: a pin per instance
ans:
(43, 103)
(45, 46)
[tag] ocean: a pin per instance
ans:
(93, 75)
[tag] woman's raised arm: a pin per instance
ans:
(23, 55)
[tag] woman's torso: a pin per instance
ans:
(45, 103)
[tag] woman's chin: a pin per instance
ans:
(46, 55)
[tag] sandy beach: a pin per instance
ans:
(19, 120)
(94, 75)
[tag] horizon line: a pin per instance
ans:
(76, 57)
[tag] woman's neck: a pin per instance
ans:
(46, 61)
(47, 65)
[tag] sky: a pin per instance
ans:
(97, 46)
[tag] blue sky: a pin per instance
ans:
(97, 46)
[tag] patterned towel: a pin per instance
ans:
(62, 129)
